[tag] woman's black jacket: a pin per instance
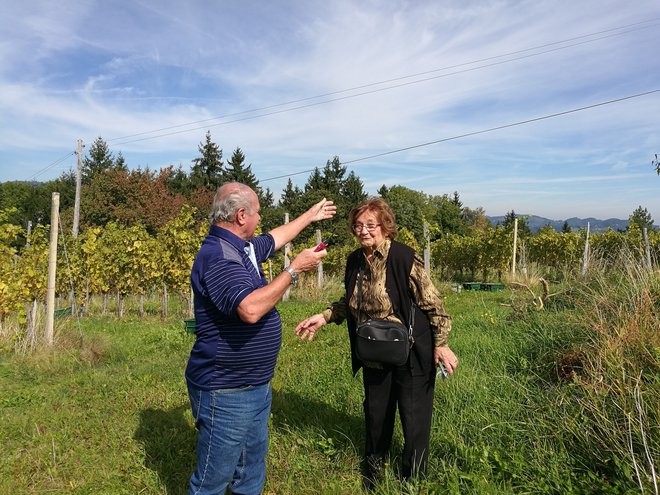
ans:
(399, 265)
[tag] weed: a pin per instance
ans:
(558, 401)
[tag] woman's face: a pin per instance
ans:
(372, 237)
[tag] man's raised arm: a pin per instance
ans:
(322, 210)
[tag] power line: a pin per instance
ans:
(621, 31)
(474, 133)
(617, 31)
(48, 167)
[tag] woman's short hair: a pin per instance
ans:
(228, 199)
(383, 212)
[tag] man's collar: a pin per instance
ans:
(227, 235)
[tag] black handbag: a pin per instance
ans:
(382, 341)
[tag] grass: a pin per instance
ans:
(525, 413)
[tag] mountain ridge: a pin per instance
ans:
(535, 223)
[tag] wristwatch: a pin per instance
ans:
(293, 273)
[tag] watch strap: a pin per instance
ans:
(293, 273)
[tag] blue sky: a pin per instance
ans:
(395, 74)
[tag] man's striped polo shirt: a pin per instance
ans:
(229, 353)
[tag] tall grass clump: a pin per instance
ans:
(610, 407)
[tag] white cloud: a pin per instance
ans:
(86, 69)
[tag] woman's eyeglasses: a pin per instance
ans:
(357, 227)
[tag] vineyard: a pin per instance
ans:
(557, 392)
(119, 262)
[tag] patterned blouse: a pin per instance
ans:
(376, 303)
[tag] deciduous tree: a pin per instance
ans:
(130, 198)
(412, 209)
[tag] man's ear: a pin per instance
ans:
(240, 216)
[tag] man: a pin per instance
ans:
(238, 337)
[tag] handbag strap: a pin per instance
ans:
(411, 315)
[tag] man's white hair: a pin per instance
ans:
(228, 199)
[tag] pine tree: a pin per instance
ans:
(383, 191)
(352, 190)
(100, 160)
(237, 171)
(642, 218)
(266, 199)
(290, 200)
(315, 182)
(523, 228)
(120, 162)
(178, 181)
(207, 171)
(333, 176)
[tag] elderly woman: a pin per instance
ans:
(391, 275)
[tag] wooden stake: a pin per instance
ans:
(319, 271)
(585, 257)
(515, 243)
(287, 259)
(52, 267)
(647, 248)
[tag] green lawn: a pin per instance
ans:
(114, 417)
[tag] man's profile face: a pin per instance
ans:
(252, 219)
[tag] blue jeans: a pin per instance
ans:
(233, 439)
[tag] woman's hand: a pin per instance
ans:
(308, 327)
(447, 357)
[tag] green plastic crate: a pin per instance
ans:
(62, 312)
(189, 325)
(492, 287)
(471, 286)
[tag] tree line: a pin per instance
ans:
(140, 230)
(111, 192)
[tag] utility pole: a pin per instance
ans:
(76, 206)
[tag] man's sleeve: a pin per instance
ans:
(264, 247)
(228, 283)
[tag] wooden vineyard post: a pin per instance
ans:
(427, 249)
(319, 272)
(647, 248)
(287, 260)
(585, 257)
(515, 243)
(52, 267)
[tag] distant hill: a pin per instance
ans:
(595, 225)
